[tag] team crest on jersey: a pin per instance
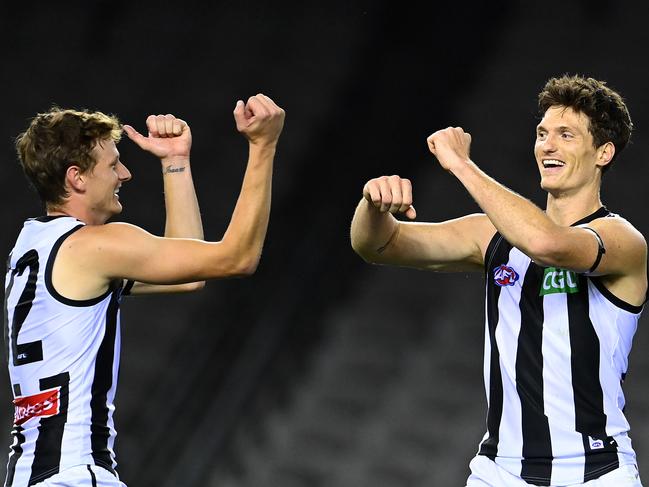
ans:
(505, 275)
(558, 281)
(595, 443)
(44, 404)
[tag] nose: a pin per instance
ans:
(548, 145)
(122, 172)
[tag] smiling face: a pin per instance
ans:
(103, 180)
(566, 154)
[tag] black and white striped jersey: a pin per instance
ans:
(63, 358)
(556, 354)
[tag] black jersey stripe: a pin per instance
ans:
(93, 479)
(16, 453)
(47, 452)
(537, 445)
(101, 384)
(590, 418)
(7, 330)
(601, 212)
(25, 353)
(498, 251)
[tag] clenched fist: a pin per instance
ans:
(450, 146)
(390, 193)
(260, 120)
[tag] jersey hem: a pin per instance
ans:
(547, 481)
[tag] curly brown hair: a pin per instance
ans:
(58, 139)
(607, 113)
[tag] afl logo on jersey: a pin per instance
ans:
(505, 275)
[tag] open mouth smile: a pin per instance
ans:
(551, 163)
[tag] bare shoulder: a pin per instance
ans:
(94, 235)
(620, 231)
(625, 259)
(625, 256)
(100, 246)
(482, 229)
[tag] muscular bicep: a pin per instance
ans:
(608, 246)
(122, 251)
(453, 245)
(622, 251)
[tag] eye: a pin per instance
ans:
(567, 135)
(541, 135)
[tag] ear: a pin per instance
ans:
(75, 180)
(605, 153)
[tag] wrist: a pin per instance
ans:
(174, 164)
(463, 168)
(263, 149)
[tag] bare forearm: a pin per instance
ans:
(247, 229)
(183, 218)
(519, 220)
(371, 230)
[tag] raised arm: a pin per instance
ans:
(100, 253)
(170, 140)
(378, 237)
(528, 228)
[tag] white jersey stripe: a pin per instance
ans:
(558, 351)
(507, 332)
(557, 379)
(63, 362)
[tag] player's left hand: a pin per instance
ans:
(451, 147)
(169, 137)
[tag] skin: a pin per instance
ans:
(99, 253)
(546, 237)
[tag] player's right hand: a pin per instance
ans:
(169, 137)
(260, 120)
(390, 193)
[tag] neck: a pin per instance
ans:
(565, 210)
(49, 211)
(80, 213)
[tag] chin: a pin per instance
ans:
(549, 188)
(114, 211)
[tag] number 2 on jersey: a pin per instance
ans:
(23, 353)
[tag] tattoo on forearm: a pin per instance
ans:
(173, 169)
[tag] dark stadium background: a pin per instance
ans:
(320, 370)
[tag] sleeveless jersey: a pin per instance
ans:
(63, 358)
(556, 354)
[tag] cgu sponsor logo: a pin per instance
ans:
(44, 404)
(558, 281)
(505, 275)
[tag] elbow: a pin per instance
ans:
(365, 254)
(545, 250)
(195, 286)
(238, 261)
(188, 287)
(191, 287)
(248, 270)
(245, 267)
(361, 250)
